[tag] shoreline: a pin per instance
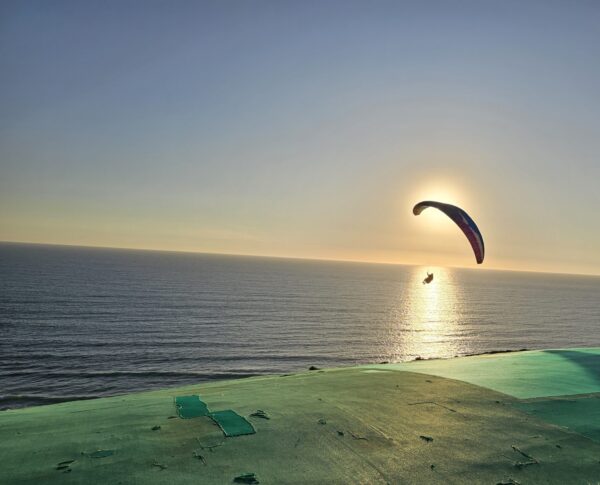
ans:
(48, 400)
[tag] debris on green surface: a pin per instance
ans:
(429, 439)
(249, 478)
(519, 450)
(434, 403)
(322, 421)
(101, 453)
(200, 456)
(259, 413)
(530, 459)
(209, 447)
(190, 407)
(232, 423)
(159, 465)
(155, 428)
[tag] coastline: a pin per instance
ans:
(48, 400)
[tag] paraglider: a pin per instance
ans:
(462, 220)
(429, 278)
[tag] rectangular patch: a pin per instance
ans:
(190, 407)
(232, 423)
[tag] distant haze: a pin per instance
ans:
(304, 129)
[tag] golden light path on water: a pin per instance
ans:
(428, 317)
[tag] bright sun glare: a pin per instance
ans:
(440, 191)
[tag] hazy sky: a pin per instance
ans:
(304, 128)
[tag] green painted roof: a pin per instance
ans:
(382, 424)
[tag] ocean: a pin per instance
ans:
(79, 323)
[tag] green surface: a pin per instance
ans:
(578, 413)
(336, 426)
(232, 423)
(521, 374)
(190, 407)
(559, 386)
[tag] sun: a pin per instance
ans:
(440, 191)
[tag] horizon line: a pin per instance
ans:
(299, 258)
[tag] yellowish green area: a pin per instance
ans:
(357, 425)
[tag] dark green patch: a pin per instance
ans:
(190, 407)
(232, 423)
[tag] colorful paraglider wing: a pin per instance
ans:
(462, 220)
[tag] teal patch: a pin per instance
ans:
(232, 423)
(190, 407)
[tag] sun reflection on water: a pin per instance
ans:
(430, 315)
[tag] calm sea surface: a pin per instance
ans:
(78, 323)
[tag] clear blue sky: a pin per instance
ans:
(304, 129)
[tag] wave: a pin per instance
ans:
(23, 400)
(29, 358)
(83, 375)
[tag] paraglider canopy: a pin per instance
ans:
(462, 220)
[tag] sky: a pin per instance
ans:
(305, 129)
